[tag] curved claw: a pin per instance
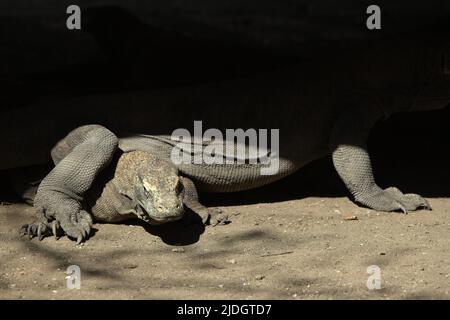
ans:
(427, 205)
(30, 234)
(401, 207)
(205, 219)
(39, 232)
(222, 222)
(79, 239)
(54, 227)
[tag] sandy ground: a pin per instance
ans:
(293, 249)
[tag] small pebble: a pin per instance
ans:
(178, 250)
(259, 277)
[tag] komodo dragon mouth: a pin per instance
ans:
(156, 219)
(153, 212)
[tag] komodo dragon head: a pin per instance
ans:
(152, 188)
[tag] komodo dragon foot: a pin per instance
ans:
(392, 199)
(212, 216)
(57, 215)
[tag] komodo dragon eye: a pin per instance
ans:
(147, 187)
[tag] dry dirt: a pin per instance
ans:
(292, 249)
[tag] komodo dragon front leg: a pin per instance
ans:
(212, 216)
(352, 162)
(79, 158)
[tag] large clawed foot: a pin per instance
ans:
(65, 215)
(410, 201)
(392, 199)
(214, 217)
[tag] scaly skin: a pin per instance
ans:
(325, 107)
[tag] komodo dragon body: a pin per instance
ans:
(324, 106)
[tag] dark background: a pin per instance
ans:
(129, 45)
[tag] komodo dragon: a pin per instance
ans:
(324, 106)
